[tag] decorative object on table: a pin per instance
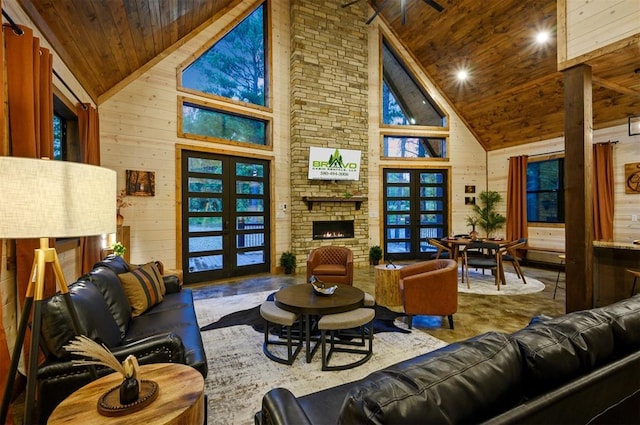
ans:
(121, 203)
(632, 177)
(472, 221)
(488, 219)
(119, 249)
(375, 255)
(141, 183)
(288, 262)
(132, 394)
(319, 287)
(49, 199)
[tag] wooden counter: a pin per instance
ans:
(611, 281)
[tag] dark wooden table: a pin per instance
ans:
(304, 300)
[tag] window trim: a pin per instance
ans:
(267, 119)
(560, 198)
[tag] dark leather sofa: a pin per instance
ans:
(166, 333)
(583, 367)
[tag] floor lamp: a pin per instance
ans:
(49, 199)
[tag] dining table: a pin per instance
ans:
(457, 243)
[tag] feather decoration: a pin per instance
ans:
(86, 347)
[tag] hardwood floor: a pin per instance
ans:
(476, 313)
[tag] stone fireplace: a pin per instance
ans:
(329, 108)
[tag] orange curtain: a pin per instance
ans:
(517, 226)
(30, 110)
(89, 129)
(603, 191)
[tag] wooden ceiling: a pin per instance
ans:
(514, 94)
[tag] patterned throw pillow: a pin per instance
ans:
(144, 288)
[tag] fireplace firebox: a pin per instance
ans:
(341, 229)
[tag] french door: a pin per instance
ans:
(415, 209)
(225, 216)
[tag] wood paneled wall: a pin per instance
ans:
(595, 24)
(627, 150)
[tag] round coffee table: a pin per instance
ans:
(304, 300)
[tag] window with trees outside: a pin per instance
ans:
(234, 69)
(406, 103)
(545, 191)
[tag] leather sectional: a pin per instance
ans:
(583, 367)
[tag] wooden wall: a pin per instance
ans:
(627, 150)
(139, 131)
(595, 24)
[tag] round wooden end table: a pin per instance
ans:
(180, 399)
(387, 288)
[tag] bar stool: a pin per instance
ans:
(562, 257)
(636, 274)
(272, 314)
(332, 323)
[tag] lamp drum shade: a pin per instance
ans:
(42, 198)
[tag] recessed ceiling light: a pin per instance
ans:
(542, 37)
(462, 75)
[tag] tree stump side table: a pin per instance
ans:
(387, 289)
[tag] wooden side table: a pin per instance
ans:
(180, 399)
(387, 289)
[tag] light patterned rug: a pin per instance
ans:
(240, 374)
(484, 284)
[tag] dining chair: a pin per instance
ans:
(509, 253)
(443, 251)
(488, 257)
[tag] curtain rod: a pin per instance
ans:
(614, 142)
(18, 31)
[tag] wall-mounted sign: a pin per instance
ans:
(334, 164)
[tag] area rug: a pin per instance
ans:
(240, 374)
(384, 320)
(484, 284)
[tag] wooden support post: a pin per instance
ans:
(578, 186)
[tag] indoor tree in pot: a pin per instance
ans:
(375, 255)
(288, 262)
(488, 219)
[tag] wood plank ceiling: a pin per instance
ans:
(514, 94)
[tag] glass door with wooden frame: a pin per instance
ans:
(225, 216)
(415, 208)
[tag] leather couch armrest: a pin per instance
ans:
(172, 283)
(280, 406)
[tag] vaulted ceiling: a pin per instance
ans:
(514, 94)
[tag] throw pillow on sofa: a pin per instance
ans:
(144, 288)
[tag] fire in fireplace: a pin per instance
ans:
(333, 229)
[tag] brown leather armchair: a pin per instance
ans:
(430, 288)
(331, 264)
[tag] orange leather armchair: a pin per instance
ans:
(331, 264)
(430, 288)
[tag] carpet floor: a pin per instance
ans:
(484, 284)
(240, 374)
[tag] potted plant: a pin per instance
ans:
(288, 262)
(375, 255)
(487, 218)
(119, 249)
